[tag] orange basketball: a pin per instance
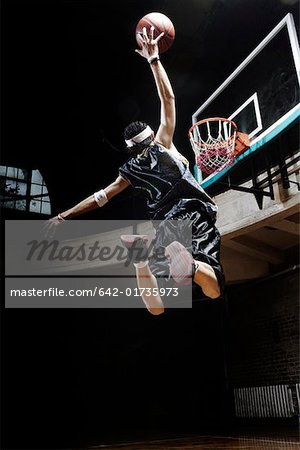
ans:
(161, 23)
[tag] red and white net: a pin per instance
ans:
(213, 141)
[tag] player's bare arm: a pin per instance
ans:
(165, 133)
(95, 200)
(166, 95)
(166, 129)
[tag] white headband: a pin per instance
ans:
(139, 137)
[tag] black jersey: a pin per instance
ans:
(173, 193)
(163, 179)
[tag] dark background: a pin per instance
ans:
(70, 76)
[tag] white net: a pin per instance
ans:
(213, 142)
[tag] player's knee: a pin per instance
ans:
(213, 292)
(215, 295)
(156, 311)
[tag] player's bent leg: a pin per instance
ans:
(147, 283)
(138, 255)
(182, 266)
(205, 277)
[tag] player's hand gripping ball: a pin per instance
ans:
(161, 24)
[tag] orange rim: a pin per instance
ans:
(211, 119)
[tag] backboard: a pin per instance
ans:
(262, 94)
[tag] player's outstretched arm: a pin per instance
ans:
(149, 51)
(94, 201)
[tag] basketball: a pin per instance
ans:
(161, 23)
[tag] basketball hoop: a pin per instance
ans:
(213, 141)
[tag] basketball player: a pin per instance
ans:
(157, 169)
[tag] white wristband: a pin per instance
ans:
(153, 58)
(100, 198)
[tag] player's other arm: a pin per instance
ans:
(95, 200)
(149, 50)
(166, 129)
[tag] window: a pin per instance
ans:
(24, 190)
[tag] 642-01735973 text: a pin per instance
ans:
(97, 291)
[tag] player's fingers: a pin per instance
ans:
(141, 38)
(50, 234)
(140, 52)
(47, 232)
(145, 35)
(45, 225)
(155, 41)
(152, 33)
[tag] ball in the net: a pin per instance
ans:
(161, 23)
